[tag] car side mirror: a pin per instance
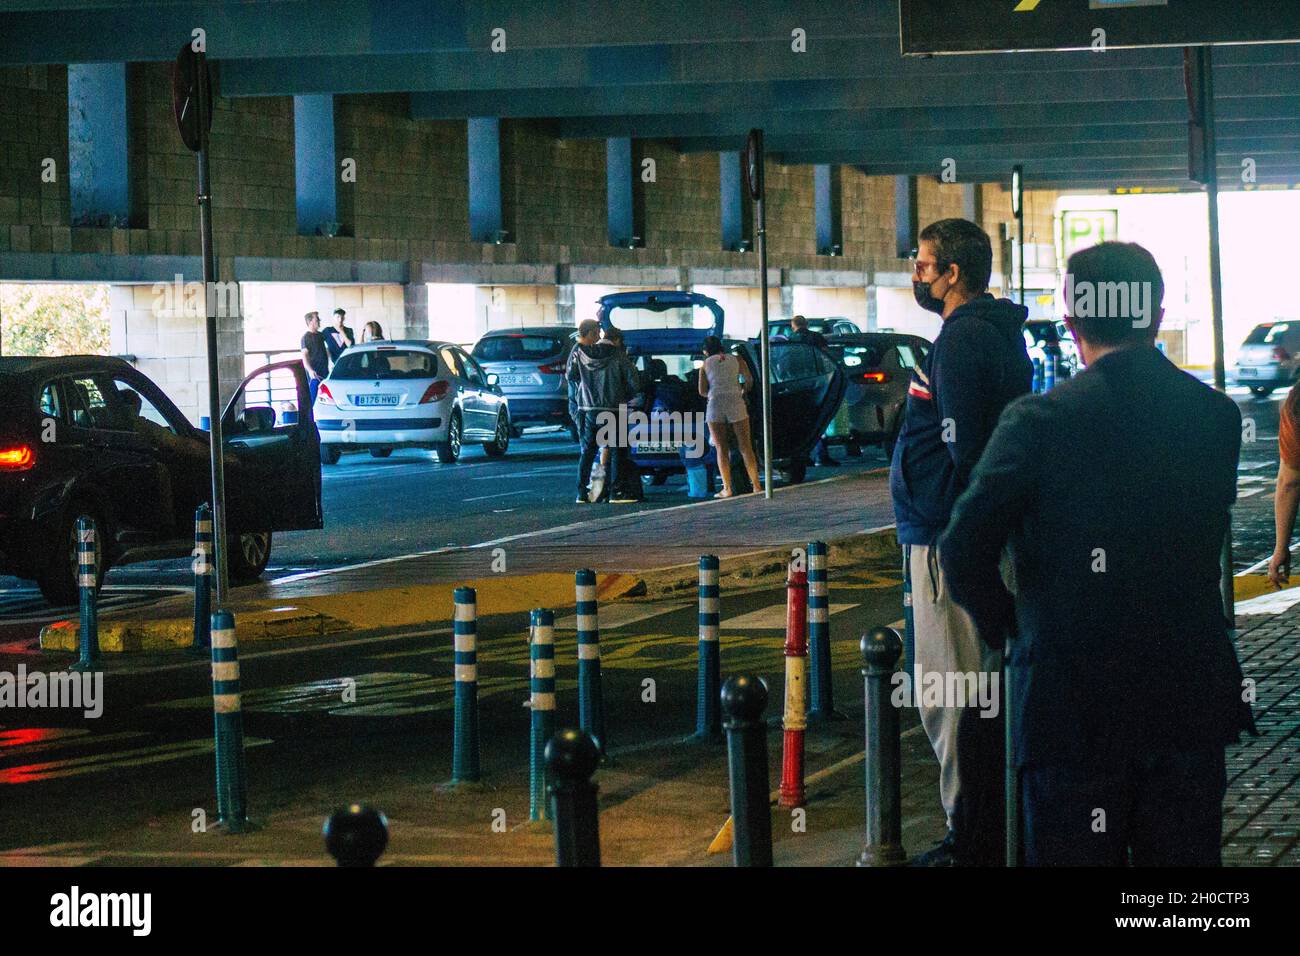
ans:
(492, 379)
(260, 418)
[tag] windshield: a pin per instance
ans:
(373, 364)
(858, 356)
(1267, 334)
(629, 318)
(518, 348)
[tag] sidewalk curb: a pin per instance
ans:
(169, 624)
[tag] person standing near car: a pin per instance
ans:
(1127, 688)
(724, 386)
(976, 366)
(315, 354)
(339, 338)
(629, 489)
(602, 383)
(799, 332)
(372, 332)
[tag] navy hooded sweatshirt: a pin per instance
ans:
(976, 366)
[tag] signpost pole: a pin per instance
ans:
(754, 173)
(1018, 207)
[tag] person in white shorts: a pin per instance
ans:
(723, 383)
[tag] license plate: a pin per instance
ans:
(659, 448)
(370, 401)
(515, 380)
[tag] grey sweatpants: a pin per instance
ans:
(945, 642)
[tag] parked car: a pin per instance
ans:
(878, 366)
(831, 325)
(410, 394)
(664, 333)
(529, 365)
(90, 436)
(1270, 357)
(1048, 338)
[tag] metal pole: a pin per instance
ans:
(214, 383)
(744, 698)
(765, 352)
(1205, 94)
(884, 766)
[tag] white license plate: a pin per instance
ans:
(659, 448)
(515, 380)
(371, 401)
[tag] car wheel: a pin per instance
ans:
(247, 556)
(1262, 390)
(497, 447)
(449, 450)
(380, 452)
(796, 471)
(329, 455)
(59, 580)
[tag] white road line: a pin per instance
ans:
(503, 494)
(1247, 492)
(612, 616)
(769, 618)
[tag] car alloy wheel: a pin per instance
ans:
(253, 547)
(453, 435)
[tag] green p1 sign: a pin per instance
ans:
(1081, 228)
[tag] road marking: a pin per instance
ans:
(1272, 603)
(1253, 465)
(1248, 492)
(502, 494)
(769, 618)
(554, 469)
(612, 616)
(95, 763)
(25, 742)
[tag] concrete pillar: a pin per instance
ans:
(826, 209)
(315, 178)
(618, 190)
(566, 312)
(484, 178)
(972, 203)
(906, 224)
(737, 208)
(415, 309)
(98, 182)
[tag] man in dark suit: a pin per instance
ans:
(1113, 493)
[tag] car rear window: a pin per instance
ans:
(387, 363)
(796, 361)
(1268, 334)
(518, 348)
(860, 356)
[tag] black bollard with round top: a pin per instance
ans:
(884, 838)
(571, 758)
(744, 698)
(356, 835)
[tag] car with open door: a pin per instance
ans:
(91, 436)
(664, 333)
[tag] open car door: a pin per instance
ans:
(272, 455)
(807, 388)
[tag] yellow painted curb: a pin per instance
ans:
(170, 624)
(725, 838)
(1247, 586)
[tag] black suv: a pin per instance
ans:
(92, 436)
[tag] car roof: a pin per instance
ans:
(875, 338)
(30, 365)
(426, 344)
(560, 330)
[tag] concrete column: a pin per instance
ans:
(98, 182)
(906, 224)
(484, 178)
(315, 178)
(566, 312)
(415, 308)
(972, 203)
(826, 208)
(618, 190)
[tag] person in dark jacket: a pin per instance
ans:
(799, 332)
(1125, 685)
(977, 365)
(600, 372)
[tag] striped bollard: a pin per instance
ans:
(232, 787)
(820, 675)
(1049, 373)
(708, 715)
(541, 673)
(88, 592)
(795, 722)
(1037, 385)
(202, 577)
(465, 748)
(591, 696)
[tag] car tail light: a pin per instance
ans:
(323, 395)
(874, 378)
(435, 392)
(1280, 354)
(556, 369)
(17, 458)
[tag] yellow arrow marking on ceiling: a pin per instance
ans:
(1027, 6)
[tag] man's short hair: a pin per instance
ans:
(1113, 293)
(798, 322)
(614, 335)
(340, 311)
(588, 327)
(309, 316)
(962, 242)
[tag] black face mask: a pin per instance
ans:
(921, 292)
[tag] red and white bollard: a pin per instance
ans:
(796, 670)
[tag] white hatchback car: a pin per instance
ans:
(410, 394)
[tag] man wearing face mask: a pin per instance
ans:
(976, 366)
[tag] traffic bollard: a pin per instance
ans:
(465, 734)
(571, 759)
(1037, 384)
(708, 718)
(232, 787)
(87, 593)
(884, 768)
(591, 695)
(541, 700)
(356, 835)
(1049, 373)
(821, 692)
(744, 698)
(202, 577)
(795, 719)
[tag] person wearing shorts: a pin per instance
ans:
(723, 384)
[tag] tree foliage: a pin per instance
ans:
(51, 319)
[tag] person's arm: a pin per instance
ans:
(702, 386)
(960, 377)
(306, 360)
(1001, 487)
(1285, 501)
